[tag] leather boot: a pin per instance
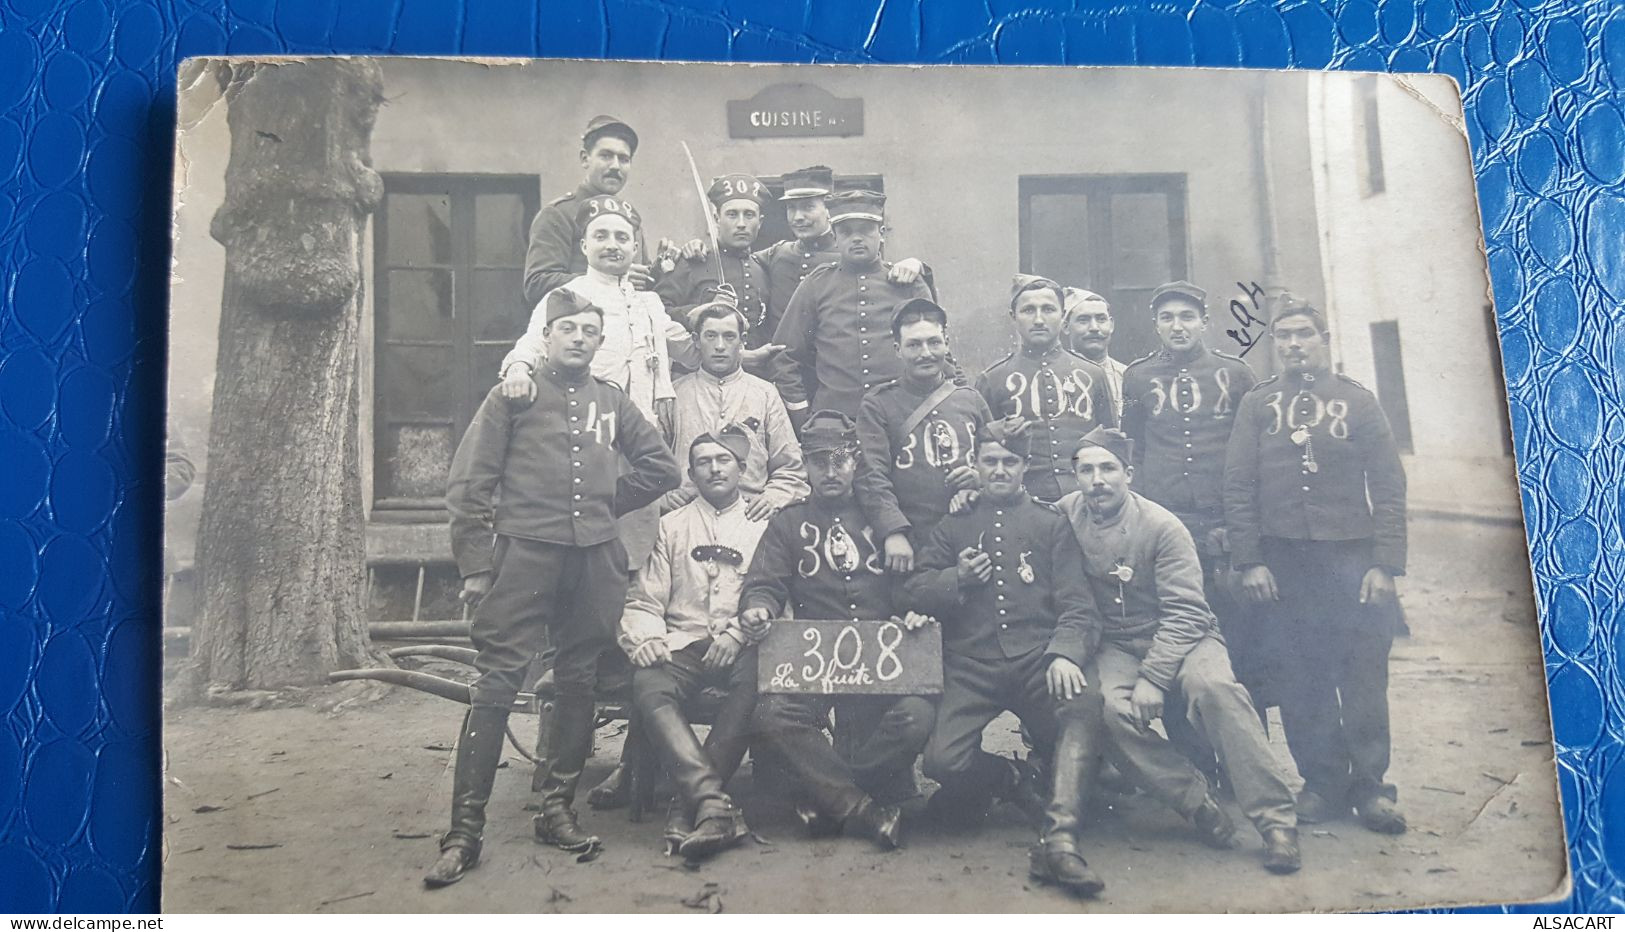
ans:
(717, 824)
(882, 825)
(569, 744)
(1213, 825)
(679, 825)
(479, 751)
(1056, 860)
(1281, 855)
(817, 824)
(615, 790)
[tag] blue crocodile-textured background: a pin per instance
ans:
(86, 115)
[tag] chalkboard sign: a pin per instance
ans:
(850, 658)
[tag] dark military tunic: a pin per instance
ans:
(1064, 395)
(1179, 413)
(786, 264)
(837, 335)
(824, 561)
(693, 282)
(1314, 490)
(902, 478)
(559, 564)
(1305, 456)
(554, 255)
(1038, 598)
(557, 462)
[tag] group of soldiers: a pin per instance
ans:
(680, 454)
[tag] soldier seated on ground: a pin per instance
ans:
(820, 558)
(1019, 623)
(681, 630)
(1159, 636)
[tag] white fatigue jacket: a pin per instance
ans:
(706, 404)
(689, 588)
(635, 353)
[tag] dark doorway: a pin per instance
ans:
(1117, 235)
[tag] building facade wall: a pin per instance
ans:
(952, 145)
(1412, 253)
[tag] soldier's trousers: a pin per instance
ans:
(569, 596)
(890, 731)
(1246, 631)
(1334, 667)
(974, 693)
(679, 682)
(1219, 709)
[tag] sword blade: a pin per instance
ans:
(705, 210)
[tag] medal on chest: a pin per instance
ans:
(943, 442)
(840, 549)
(714, 556)
(1025, 569)
(1303, 438)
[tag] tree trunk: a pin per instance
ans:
(281, 551)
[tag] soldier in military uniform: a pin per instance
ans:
(1089, 329)
(554, 254)
(736, 201)
(1019, 623)
(722, 393)
(1314, 497)
(681, 631)
(917, 434)
(557, 564)
(1180, 403)
(835, 326)
(821, 559)
(1161, 645)
(1063, 394)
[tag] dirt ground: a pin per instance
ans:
(301, 811)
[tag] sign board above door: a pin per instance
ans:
(789, 110)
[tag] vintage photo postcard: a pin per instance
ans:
(641, 487)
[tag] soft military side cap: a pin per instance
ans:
(597, 206)
(1022, 283)
(1111, 440)
(736, 186)
(562, 302)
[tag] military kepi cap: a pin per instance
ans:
(1179, 290)
(736, 186)
(1291, 306)
(562, 302)
(1023, 283)
(606, 125)
(1111, 440)
(828, 431)
(816, 181)
(597, 206)
(917, 309)
(857, 205)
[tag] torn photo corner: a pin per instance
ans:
(1227, 334)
